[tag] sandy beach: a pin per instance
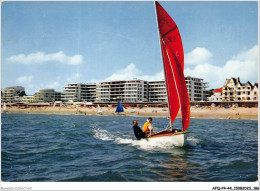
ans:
(201, 112)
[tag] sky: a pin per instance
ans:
(49, 44)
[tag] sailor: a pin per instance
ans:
(148, 128)
(138, 131)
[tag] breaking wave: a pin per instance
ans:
(102, 134)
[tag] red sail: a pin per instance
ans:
(173, 98)
(173, 61)
(170, 34)
(181, 87)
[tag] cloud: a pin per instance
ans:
(27, 83)
(155, 77)
(55, 84)
(34, 85)
(74, 78)
(243, 65)
(198, 56)
(41, 57)
(251, 54)
(24, 79)
(131, 72)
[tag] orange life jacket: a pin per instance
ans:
(145, 127)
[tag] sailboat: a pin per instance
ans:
(5, 109)
(99, 112)
(173, 64)
(119, 109)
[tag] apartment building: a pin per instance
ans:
(125, 91)
(229, 89)
(27, 99)
(9, 94)
(103, 92)
(46, 95)
(196, 88)
(79, 92)
(157, 91)
(144, 91)
(243, 91)
(88, 92)
(234, 90)
(254, 92)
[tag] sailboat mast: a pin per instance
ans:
(160, 42)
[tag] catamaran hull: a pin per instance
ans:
(175, 138)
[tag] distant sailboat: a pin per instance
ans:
(4, 108)
(99, 112)
(173, 62)
(119, 109)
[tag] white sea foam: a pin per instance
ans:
(120, 140)
(148, 144)
(144, 144)
(102, 134)
(192, 141)
(164, 145)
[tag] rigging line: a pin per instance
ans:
(173, 76)
(169, 31)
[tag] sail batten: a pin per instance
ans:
(169, 31)
(173, 63)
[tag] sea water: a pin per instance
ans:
(104, 149)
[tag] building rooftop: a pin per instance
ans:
(217, 90)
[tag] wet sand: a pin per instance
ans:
(206, 112)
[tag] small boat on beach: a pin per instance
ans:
(99, 112)
(119, 109)
(4, 108)
(173, 64)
